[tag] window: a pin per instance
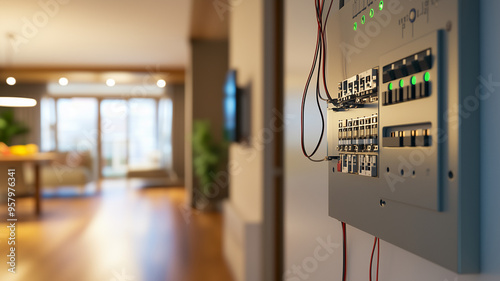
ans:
(48, 124)
(143, 135)
(134, 133)
(77, 124)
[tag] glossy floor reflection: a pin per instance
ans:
(124, 234)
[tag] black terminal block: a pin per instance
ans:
(388, 74)
(400, 70)
(396, 140)
(409, 141)
(425, 60)
(407, 93)
(392, 142)
(410, 65)
(422, 140)
(427, 90)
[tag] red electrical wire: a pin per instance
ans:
(378, 255)
(371, 258)
(376, 243)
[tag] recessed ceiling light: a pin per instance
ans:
(17, 102)
(110, 82)
(63, 81)
(11, 81)
(161, 83)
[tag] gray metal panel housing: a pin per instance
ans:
(431, 208)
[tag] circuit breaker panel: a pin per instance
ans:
(402, 126)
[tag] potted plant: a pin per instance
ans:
(9, 128)
(208, 159)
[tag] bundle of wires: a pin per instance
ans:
(376, 244)
(319, 61)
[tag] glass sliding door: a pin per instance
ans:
(77, 124)
(48, 124)
(134, 133)
(165, 118)
(143, 140)
(114, 140)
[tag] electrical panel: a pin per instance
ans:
(402, 125)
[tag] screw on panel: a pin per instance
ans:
(382, 203)
(448, 26)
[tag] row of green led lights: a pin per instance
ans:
(413, 80)
(372, 13)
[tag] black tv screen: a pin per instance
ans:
(231, 108)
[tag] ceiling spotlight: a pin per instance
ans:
(17, 102)
(161, 83)
(11, 81)
(63, 81)
(110, 82)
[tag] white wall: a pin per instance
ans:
(244, 211)
(308, 225)
(246, 56)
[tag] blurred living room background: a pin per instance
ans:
(114, 83)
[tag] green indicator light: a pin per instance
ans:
(390, 86)
(363, 19)
(413, 80)
(427, 77)
(355, 26)
(401, 83)
(381, 5)
(372, 13)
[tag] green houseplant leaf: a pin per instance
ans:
(9, 127)
(207, 154)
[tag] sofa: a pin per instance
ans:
(68, 169)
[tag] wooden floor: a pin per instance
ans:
(123, 234)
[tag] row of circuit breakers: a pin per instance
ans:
(358, 138)
(362, 88)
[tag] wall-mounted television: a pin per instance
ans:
(232, 109)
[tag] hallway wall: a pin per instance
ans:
(205, 76)
(249, 212)
(177, 94)
(244, 209)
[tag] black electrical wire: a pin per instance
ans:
(344, 251)
(323, 34)
(319, 60)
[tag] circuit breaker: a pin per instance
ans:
(402, 126)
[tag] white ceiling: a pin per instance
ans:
(95, 33)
